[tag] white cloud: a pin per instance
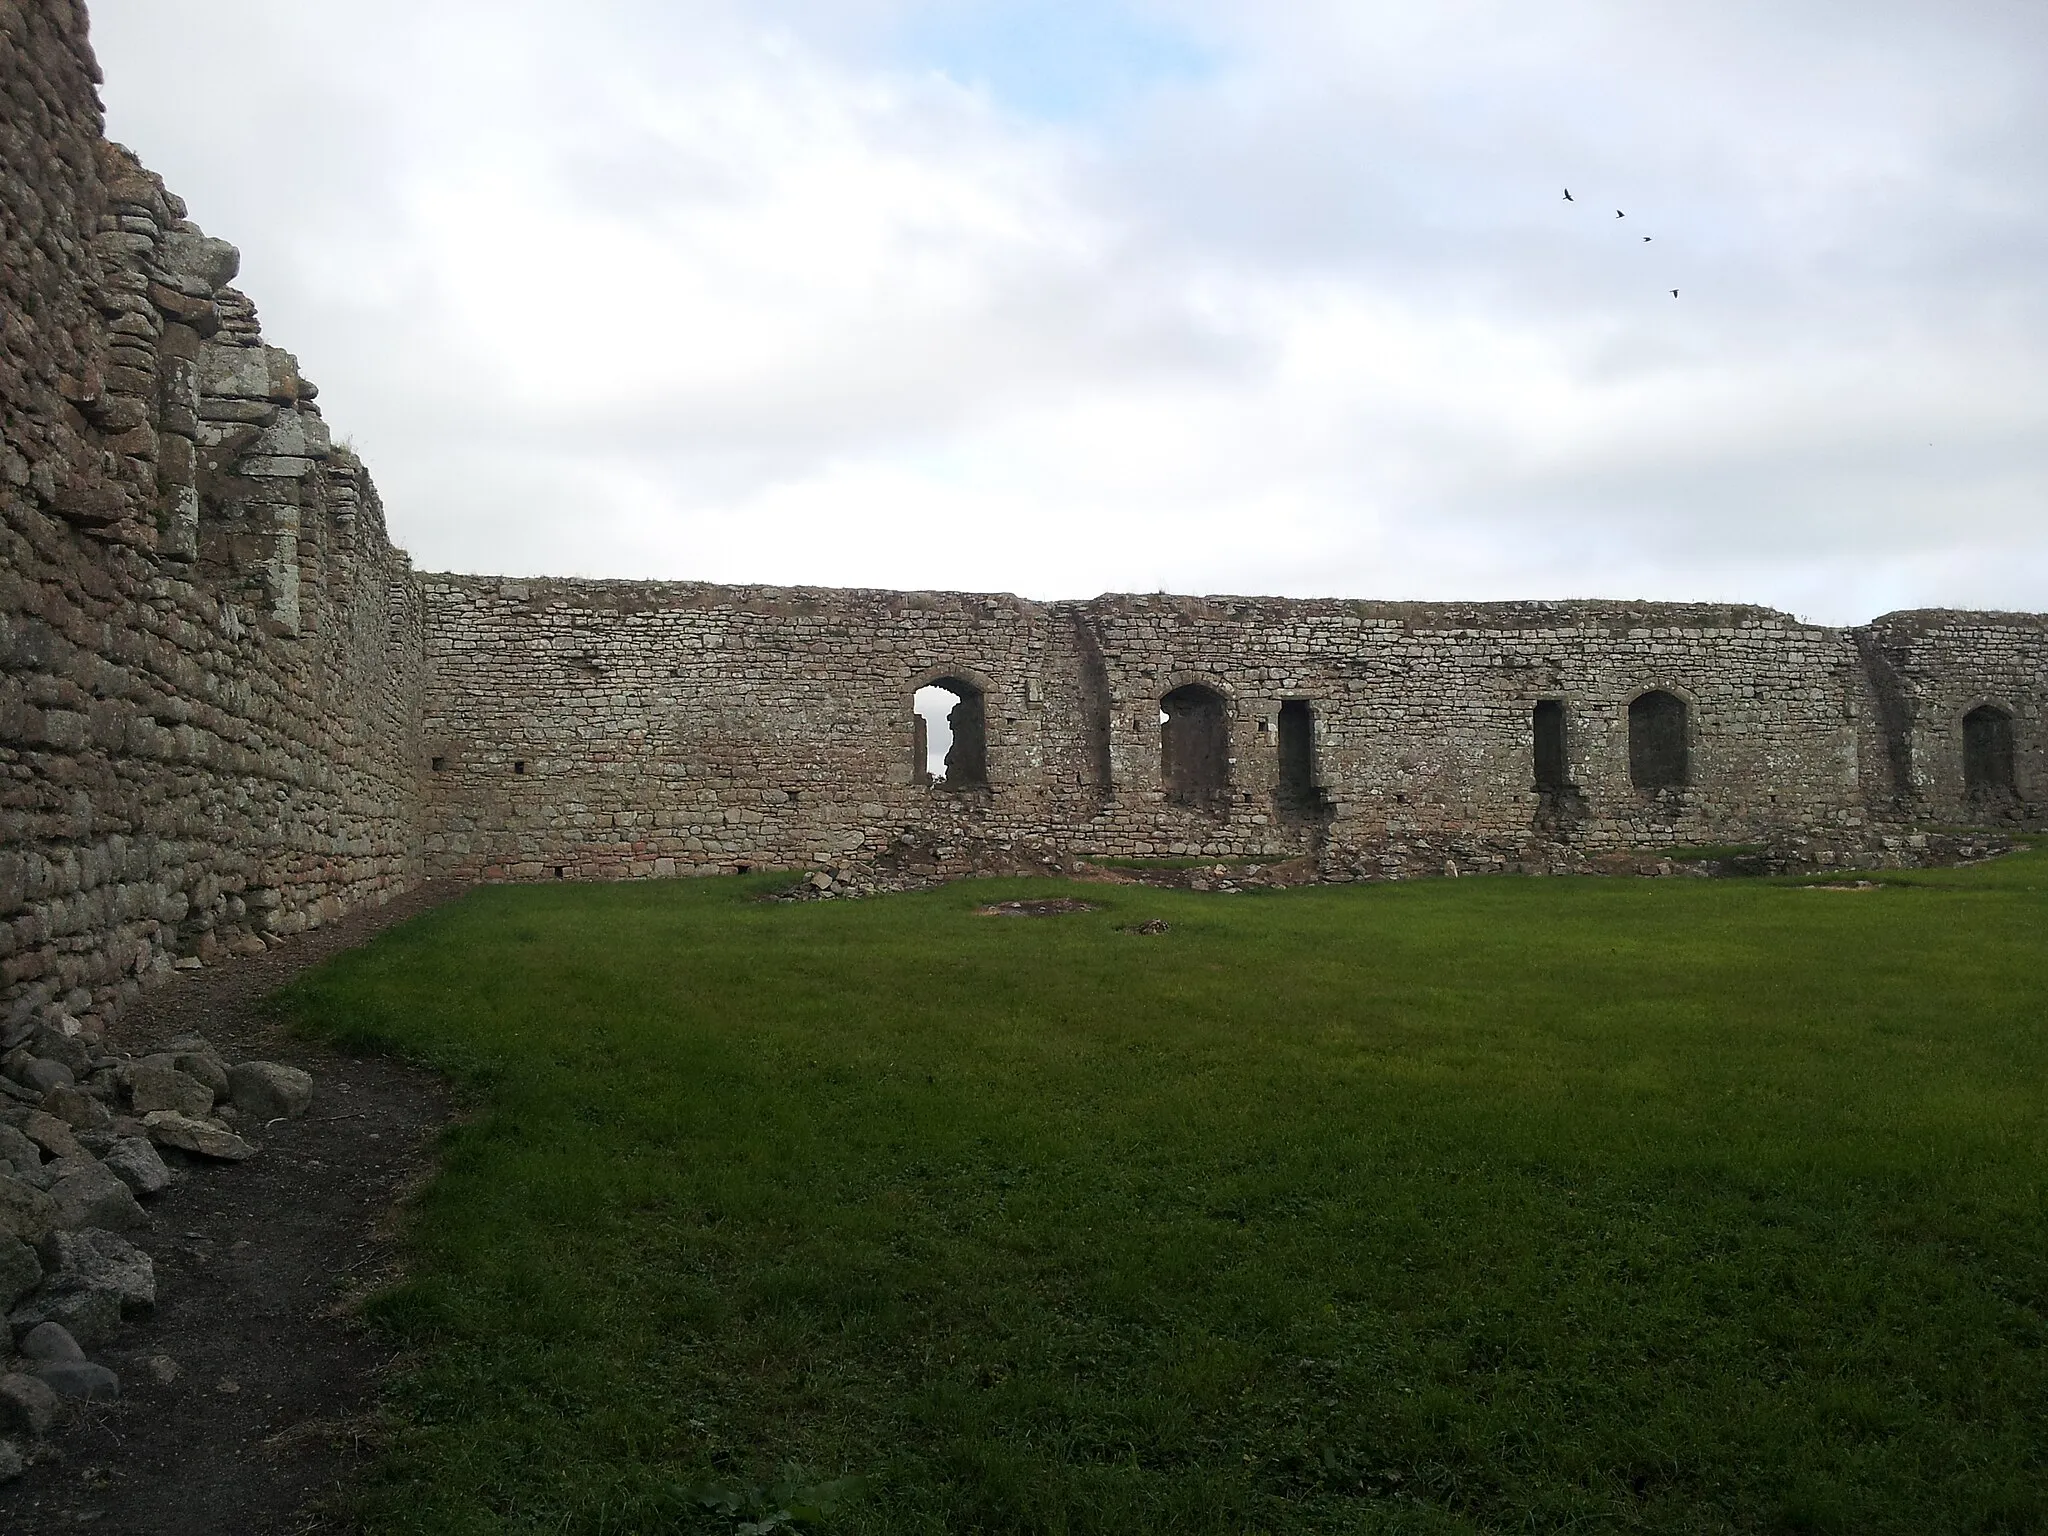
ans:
(753, 293)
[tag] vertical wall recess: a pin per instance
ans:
(1659, 756)
(1552, 758)
(1988, 751)
(1194, 747)
(1096, 711)
(1296, 792)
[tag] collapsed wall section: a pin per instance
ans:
(209, 651)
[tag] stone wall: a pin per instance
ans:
(209, 652)
(228, 709)
(1932, 668)
(617, 729)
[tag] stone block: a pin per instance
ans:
(28, 1406)
(20, 1271)
(155, 1084)
(266, 1090)
(249, 373)
(26, 1213)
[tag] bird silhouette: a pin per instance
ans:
(1619, 214)
(1646, 239)
(1674, 293)
(1568, 195)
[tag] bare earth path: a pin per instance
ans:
(258, 1266)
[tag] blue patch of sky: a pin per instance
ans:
(1061, 60)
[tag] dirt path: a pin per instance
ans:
(263, 1414)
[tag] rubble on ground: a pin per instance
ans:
(87, 1137)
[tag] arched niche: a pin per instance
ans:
(1659, 745)
(1194, 745)
(1988, 751)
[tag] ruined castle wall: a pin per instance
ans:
(209, 651)
(614, 728)
(1424, 720)
(1937, 666)
(620, 728)
(228, 708)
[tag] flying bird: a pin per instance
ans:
(1619, 214)
(1568, 195)
(1646, 239)
(1674, 293)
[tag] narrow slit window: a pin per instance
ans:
(1552, 764)
(519, 765)
(440, 765)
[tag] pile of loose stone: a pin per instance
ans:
(83, 1134)
(847, 882)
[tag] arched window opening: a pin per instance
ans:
(1552, 763)
(952, 734)
(1298, 795)
(1657, 752)
(1987, 751)
(1194, 746)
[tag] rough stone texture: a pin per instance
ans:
(17, 1150)
(25, 1211)
(42, 1076)
(52, 1135)
(90, 1316)
(229, 710)
(78, 1110)
(621, 729)
(208, 648)
(167, 1128)
(154, 1085)
(20, 1271)
(136, 1163)
(98, 1260)
(27, 1405)
(267, 1090)
(90, 1196)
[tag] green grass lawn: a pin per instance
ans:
(1478, 1205)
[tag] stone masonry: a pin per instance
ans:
(209, 652)
(636, 729)
(229, 709)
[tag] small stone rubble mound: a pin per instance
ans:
(83, 1140)
(1226, 878)
(1151, 928)
(914, 863)
(1055, 907)
(848, 882)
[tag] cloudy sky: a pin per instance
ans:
(1070, 296)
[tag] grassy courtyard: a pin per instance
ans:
(1481, 1205)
